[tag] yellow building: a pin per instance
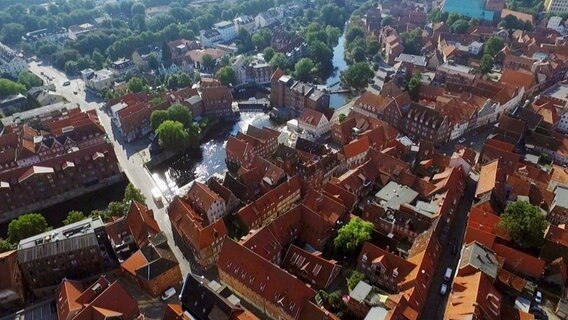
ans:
(557, 6)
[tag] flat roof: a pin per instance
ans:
(559, 92)
(394, 194)
(38, 112)
(66, 232)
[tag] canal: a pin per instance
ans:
(337, 100)
(194, 165)
(201, 165)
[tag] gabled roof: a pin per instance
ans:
(201, 198)
(263, 278)
(471, 296)
(311, 267)
(520, 262)
(518, 78)
(356, 147)
(311, 117)
(394, 266)
(141, 222)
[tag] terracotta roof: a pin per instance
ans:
(174, 312)
(262, 278)
(519, 78)
(201, 198)
(473, 295)
(512, 281)
(311, 117)
(330, 208)
(488, 178)
(141, 222)
(312, 312)
(348, 199)
(391, 263)
(556, 235)
(356, 147)
(100, 300)
(520, 262)
(311, 267)
(192, 226)
(373, 103)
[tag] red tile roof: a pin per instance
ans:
(473, 295)
(356, 147)
(311, 117)
(141, 222)
(520, 262)
(521, 16)
(174, 312)
(275, 286)
(518, 78)
(201, 198)
(311, 267)
(391, 263)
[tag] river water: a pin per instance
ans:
(183, 169)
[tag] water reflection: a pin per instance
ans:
(339, 64)
(202, 165)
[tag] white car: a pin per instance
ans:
(462, 140)
(443, 289)
(168, 293)
(538, 297)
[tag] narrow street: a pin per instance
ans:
(127, 153)
(436, 303)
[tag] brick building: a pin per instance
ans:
(77, 251)
(53, 157)
(12, 294)
(290, 97)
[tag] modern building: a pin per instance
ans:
(52, 154)
(98, 80)
(79, 250)
(227, 29)
(209, 38)
(556, 6)
(120, 68)
(251, 71)
(291, 97)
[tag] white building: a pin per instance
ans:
(563, 123)
(245, 22)
(267, 18)
(11, 63)
(47, 35)
(209, 38)
(227, 30)
(77, 30)
(251, 70)
(98, 80)
(475, 47)
(555, 23)
(120, 68)
(313, 123)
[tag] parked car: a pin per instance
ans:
(66, 83)
(448, 274)
(538, 297)
(444, 289)
(462, 140)
(454, 249)
(168, 293)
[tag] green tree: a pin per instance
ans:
(373, 47)
(354, 32)
(304, 69)
(12, 32)
(460, 26)
(524, 223)
(98, 59)
(262, 38)
(166, 54)
(342, 117)
(437, 16)
(354, 279)
(208, 62)
(173, 136)
(387, 21)
(452, 17)
(486, 64)
(278, 61)
(136, 85)
(357, 76)
(115, 209)
(226, 76)
(71, 67)
(412, 41)
(320, 52)
(180, 113)
(5, 245)
(184, 80)
(29, 79)
(268, 53)
(74, 216)
(8, 87)
(331, 15)
(138, 8)
(25, 226)
(157, 117)
(352, 235)
(357, 54)
(244, 41)
(493, 45)
(133, 193)
(153, 61)
(413, 86)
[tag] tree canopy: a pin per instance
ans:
(278, 61)
(26, 226)
(303, 69)
(226, 76)
(524, 223)
(157, 117)
(74, 216)
(262, 38)
(493, 45)
(133, 193)
(9, 87)
(208, 62)
(357, 76)
(486, 64)
(173, 136)
(5, 245)
(136, 85)
(412, 41)
(352, 235)
(413, 86)
(29, 80)
(354, 279)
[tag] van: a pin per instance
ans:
(448, 274)
(168, 293)
(157, 196)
